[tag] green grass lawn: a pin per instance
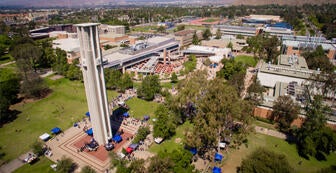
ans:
(144, 28)
(168, 85)
(235, 157)
(6, 58)
(195, 27)
(245, 59)
(170, 145)
(264, 124)
(64, 106)
(210, 20)
(43, 165)
(139, 108)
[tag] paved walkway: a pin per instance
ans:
(13, 165)
(270, 132)
(8, 63)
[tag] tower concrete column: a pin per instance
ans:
(93, 75)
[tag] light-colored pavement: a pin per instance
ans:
(270, 132)
(8, 63)
(14, 164)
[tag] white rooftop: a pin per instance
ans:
(67, 44)
(216, 51)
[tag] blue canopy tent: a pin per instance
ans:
(117, 138)
(193, 151)
(216, 170)
(126, 114)
(87, 114)
(89, 132)
(146, 117)
(218, 157)
(56, 130)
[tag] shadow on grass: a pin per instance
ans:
(10, 116)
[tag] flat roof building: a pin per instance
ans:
(297, 44)
(237, 30)
(112, 29)
(261, 19)
(141, 51)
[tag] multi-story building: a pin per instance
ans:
(112, 29)
(185, 37)
(237, 30)
(298, 44)
(139, 52)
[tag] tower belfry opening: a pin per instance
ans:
(93, 75)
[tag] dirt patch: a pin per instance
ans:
(55, 77)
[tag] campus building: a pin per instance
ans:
(141, 51)
(237, 30)
(298, 44)
(185, 37)
(261, 19)
(112, 29)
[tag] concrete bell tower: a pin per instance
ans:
(94, 82)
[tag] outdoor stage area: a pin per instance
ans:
(69, 143)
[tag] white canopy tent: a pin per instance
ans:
(45, 136)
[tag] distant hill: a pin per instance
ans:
(282, 2)
(91, 3)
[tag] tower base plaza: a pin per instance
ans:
(69, 143)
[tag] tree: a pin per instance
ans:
(314, 138)
(9, 89)
(174, 78)
(126, 82)
(231, 67)
(237, 81)
(255, 92)
(142, 134)
(137, 166)
(230, 45)
(195, 39)
(270, 48)
(164, 127)
(34, 86)
(29, 54)
(60, 65)
(207, 34)
(239, 36)
(87, 169)
(65, 165)
(112, 78)
(149, 87)
(265, 161)
(161, 29)
(160, 164)
(37, 148)
(216, 120)
(218, 34)
(180, 27)
(285, 111)
(318, 60)
(74, 72)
